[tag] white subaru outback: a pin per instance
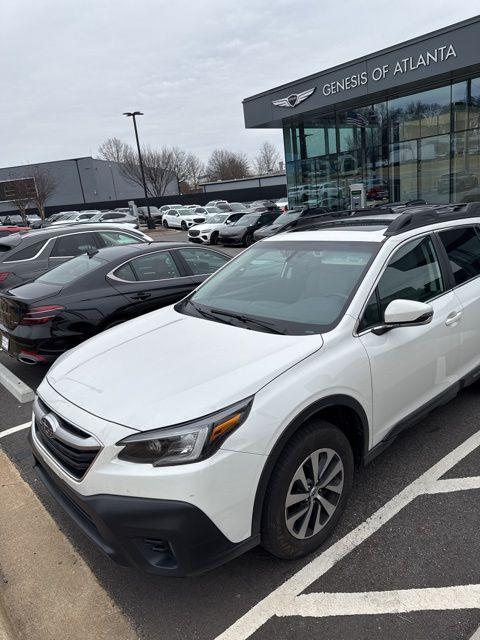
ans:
(183, 438)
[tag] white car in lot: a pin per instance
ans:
(302, 356)
(207, 233)
(181, 218)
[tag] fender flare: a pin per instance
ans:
(337, 400)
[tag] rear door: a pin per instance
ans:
(462, 245)
(151, 281)
(201, 263)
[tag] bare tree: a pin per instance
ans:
(267, 159)
(227, 165)
(194, 169)
(46, 185)
(22, 194)
(113, 150)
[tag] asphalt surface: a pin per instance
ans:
(431, 543)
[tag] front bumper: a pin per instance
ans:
(231, 240)
(165, 537)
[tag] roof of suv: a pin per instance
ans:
(375, 225)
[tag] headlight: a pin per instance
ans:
(185, 442)
(205, 230)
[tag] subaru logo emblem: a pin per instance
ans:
(49, 425)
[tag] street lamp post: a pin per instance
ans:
(134, 114)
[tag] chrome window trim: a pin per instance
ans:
(112, 275)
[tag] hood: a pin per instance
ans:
(164, 368)
(205, 225)
(234, 229)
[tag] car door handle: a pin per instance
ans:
(453, 317)
(142, 295)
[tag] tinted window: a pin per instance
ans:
(412, 274)
(28, 252)
(202, 261)
(114, 238)
(71, 270)
(74, 245)
(125, 273)
(153, 266)
(463, 250)
(112, 216)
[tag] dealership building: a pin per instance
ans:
(404, 122)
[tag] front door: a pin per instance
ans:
(410, 366)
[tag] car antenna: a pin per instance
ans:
(92, 252)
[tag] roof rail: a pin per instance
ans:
(424, 217)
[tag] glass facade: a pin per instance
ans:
(425, 145)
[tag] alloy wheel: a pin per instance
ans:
(314, 493)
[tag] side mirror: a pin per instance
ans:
(404, 313)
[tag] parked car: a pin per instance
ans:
(320, 347)
(232, 206)
(241, 232)
(8, 230)
(213, 203)
(29, 255)
(13, 219)
(208, 232)
(49, 220)
(74, 216)
(269, 205)
(117, 217)
(288, 220)
(33, 219)
(47, 316)
(182, 218)
(282, 204)
(461, 181)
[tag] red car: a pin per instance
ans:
(6, 231)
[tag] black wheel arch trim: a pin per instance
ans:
(333, 401)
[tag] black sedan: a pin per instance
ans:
(288, 220)
(43, 318)
(241, 232)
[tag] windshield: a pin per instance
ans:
(286, 217)
(237, 206)
(250, 218)
(217, 219)
(294, 287)
(72, 270)
(185, 212)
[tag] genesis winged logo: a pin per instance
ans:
(294, 99)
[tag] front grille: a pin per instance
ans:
(72, 448)
(199, 220)
(194, 233)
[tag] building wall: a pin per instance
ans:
(245, 183)
(83, 181)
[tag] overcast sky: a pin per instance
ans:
(69, 68)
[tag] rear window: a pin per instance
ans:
(29, 252)
(72, 270)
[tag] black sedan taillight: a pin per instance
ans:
(41, 315)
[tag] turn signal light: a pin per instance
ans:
(41, 315)
(224, 427)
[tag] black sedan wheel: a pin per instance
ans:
(249, 239)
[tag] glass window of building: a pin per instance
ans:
(376, 175)
(466, 104)
(419, 115)
(463, 183)
(320, 138)
(434, 167)
(353, 126)
(403, 174)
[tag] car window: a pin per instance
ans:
(114, 238)
(413, 273)
(113, 216)
(153, 266)
(202, 261)
(28, 252)
(73, 245)
(463, 250)
(72, 270)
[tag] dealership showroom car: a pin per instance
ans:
(29, 255)
(241, 232)
(182, 218)
(208, 232)
(148, 463)
(45, 317)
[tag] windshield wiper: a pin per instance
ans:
(247, 320)
(206, 314)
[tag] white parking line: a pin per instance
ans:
(287, 601)
(20, 427)
(13, 384)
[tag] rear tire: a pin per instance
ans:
(301, 507)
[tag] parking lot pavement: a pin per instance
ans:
(177, 235)
(403, 563)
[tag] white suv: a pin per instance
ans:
(247, 404)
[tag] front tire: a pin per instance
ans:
(249, 240)
(165, 224)
(214, 238)
(184, 226)
(308, 491)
